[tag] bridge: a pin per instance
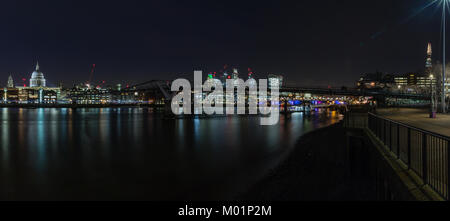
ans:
(353, 92)
(163, 88)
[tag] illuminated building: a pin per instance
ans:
(413, 79)
(372, 81)
(212, 75)
(235, 73)
(11, 95)
(3, 95)
(225, 77)
(428, 63)
(425, 80)
(37, 93)
(10, 82)
(38, 87)
(49, 97)
(275, 80)
(401, 80)
(28, 95)
(37, 78)
(86, 95)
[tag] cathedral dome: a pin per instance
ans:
(37, 78)
(37, 75)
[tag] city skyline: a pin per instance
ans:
(226, 71)
(143, 41)
(223, 109)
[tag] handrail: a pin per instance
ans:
(412, 127)
(424, 152)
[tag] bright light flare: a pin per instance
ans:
(418, 11)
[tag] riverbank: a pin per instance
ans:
(77, 105)
(317, 169)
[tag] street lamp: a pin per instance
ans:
(444, 7)
(432, 103)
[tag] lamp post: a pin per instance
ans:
(444, 7)
(432, 95)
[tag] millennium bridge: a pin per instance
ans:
(161, 88)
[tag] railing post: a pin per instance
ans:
(398, 141)
(379, 128)
(380, 121)
(390, 135)
(372, 123)
(377, 124)
(424, 158)
(346, 120)
(448, 170)
(409, 148)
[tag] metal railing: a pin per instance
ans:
(424, 152)
(355, 120)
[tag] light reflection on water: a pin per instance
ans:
(132, 153)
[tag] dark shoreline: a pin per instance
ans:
(316, 170)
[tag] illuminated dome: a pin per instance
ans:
(37, 78)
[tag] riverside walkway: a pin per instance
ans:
(420, 142)
(419, 118)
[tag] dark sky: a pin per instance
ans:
(326, 42)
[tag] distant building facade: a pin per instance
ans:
(37, 78)
(85, 95)
(275, 80)
(10, 82)
(414, 79)
(36, 93)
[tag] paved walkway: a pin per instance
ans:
(419, 118)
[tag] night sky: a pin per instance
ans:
(327, 42)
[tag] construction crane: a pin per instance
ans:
(250, 73)
(101, 84)
(88, 84)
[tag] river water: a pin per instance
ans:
(136, 154)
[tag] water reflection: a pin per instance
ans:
(133, 153)
(5, 136)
